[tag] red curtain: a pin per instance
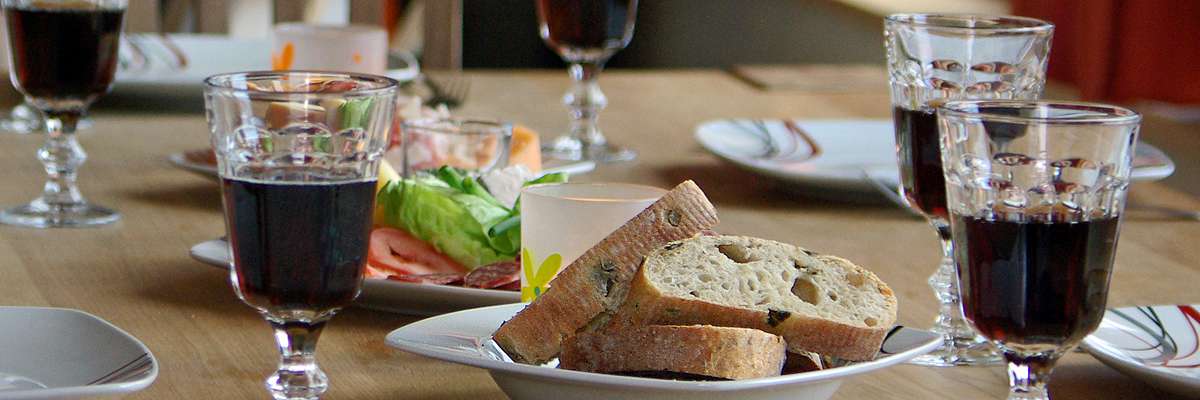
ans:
(1122, 50)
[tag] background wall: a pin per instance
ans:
(687, 33)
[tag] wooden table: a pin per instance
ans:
(137, 273)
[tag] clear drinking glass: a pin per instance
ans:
(585, 33)
(298, 154)
(63, 54)
(1036, 192)
(474, 145)
(933, 59)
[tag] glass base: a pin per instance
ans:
(571, 149)
(960, 352)
(300, 384)
(38, 214)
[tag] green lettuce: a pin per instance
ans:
(457, 215)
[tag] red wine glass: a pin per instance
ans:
(585, 33)
(298, 154)
(932, 59)
(63, 55)
(1035, 192)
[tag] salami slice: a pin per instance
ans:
(444, 278)
(493, 275)
(515, 286)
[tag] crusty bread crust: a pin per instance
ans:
(598, 281)
(717, 352)
(646, 304)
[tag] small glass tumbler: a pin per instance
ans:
(1035, 192)
(559, 222)
(932, 59)
(474, 145)
(298, 154)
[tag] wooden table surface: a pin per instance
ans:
(137, 273)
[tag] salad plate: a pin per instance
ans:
(388, 295)
(464, 337)
(841, 156)
(56, 353)
(1155, 344)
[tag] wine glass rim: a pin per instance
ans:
(966, 23)
(453, 125)
(228, 83)
(1098, 113)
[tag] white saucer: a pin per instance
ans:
(1155, 344)
(56, 353)
(464, 337)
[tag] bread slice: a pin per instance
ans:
(821, 304)
(693, 350)
(597, 282)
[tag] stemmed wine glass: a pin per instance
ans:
(932, 59)
(1035, 192)
(63, 56)
(585, 33)
(298, 155)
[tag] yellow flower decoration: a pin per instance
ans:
(538, 279)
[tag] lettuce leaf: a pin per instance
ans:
(456, 214)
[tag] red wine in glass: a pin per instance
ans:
(922, 182)
(63, 53)
(576, 25)
(298, 246)
(1034, 282)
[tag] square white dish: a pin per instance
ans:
(57, 353)
(464, 337)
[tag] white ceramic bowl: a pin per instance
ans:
(464, 337)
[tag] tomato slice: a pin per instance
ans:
(396, 251)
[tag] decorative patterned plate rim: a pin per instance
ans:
(1121, 359)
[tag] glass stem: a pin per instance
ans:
(1028, 375)
(950, 322)
(298, 376)
(61, 156)
(585, 100)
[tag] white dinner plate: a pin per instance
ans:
(388, 295)
(464, 337)
(193, 161)
(838, 155)
(57, 353)
(1155, 344)
(205, 55)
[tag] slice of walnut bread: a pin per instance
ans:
(697, 351)
(821, 304)
(586, 291)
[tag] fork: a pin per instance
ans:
(452, 92)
